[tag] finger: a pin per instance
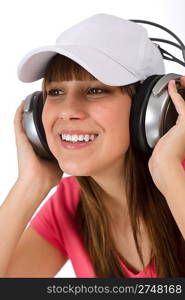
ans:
(176, 98)
(18, 127)
(182, 81)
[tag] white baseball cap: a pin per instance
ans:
(114, 50)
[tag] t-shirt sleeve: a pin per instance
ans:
(46, 221)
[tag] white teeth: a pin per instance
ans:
(92, 137)
(74, 138)
(87, 137)
(80, 138)
(68, 137)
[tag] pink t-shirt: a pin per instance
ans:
(55, 221)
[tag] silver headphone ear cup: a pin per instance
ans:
(138, 137)
(153, 112)
(32, 123)
(161, 114)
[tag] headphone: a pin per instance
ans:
(152, 112)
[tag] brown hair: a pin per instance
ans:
(145, 202)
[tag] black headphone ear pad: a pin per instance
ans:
(37, 115)
(138, 138)
(38, 105)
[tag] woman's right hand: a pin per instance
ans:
(31, 167)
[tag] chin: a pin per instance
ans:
(73, 170)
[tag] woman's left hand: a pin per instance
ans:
(170, 149)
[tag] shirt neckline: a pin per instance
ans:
(124, 266)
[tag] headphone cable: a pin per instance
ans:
(163, 52)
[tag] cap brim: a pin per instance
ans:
(101, 66)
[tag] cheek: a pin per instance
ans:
(118, 124)
(44, 113)
(120, 135)
(47, 117)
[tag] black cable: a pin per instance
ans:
(165, 29)
(161, 27)
(164, 52)
(166, 41)
(168, 56)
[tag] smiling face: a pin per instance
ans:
(91, 107)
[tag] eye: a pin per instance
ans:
(97, 91)
(54, 92)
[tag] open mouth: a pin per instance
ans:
(78, 142)
(78, 138)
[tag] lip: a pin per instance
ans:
(76, 145)
(71, 132)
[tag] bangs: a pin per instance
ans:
(62, 68)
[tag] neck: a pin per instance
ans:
(113, 186)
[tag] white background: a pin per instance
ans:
(25, 25)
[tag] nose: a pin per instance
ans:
(73, 108)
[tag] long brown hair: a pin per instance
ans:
(144, 200)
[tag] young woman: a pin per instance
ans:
(120, 213)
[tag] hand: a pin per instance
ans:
(170, 149)
(31, 167)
